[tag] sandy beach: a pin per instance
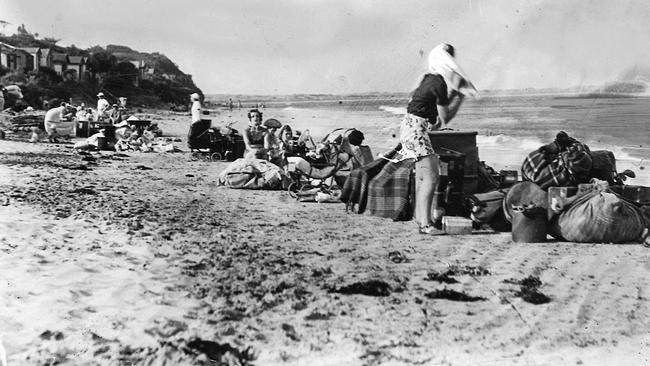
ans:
(140, 259)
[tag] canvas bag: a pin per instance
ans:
(599, 217)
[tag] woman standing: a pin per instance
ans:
(196, 107)
(433, 105)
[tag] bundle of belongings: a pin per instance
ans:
(317, 174)
(563, 162)
(580, 192)
(253, 174)
(382, 187)
(144, 140)
(386, 187)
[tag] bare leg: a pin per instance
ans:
(427, 176)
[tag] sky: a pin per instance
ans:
(355, 46)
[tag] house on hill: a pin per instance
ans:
(46, 58)
(141, 66)
(15, 58)
(33, 62)
(77, 65)
(59, 62)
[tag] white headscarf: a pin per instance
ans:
(444, 64)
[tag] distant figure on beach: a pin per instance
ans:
(102, 106)
(239, 106)
(433, 105)
(196, 107)
(254, 136)
(230, 104)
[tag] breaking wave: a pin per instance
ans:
(393, 110)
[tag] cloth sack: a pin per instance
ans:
(253, 174)
(599, 217)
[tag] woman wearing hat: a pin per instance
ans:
(432, 106)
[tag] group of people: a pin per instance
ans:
(433, 104)
(64, 120)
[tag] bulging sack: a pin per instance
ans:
(599, 217)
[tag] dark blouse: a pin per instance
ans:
(431, 92)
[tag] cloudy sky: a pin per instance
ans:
(346, 46)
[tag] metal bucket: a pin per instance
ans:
(529, 224)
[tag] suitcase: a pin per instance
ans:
(636, 194)
(487, 208)
(449, 195)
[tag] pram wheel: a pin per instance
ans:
(296, 188)
(216, 157)
(195, 156)
(293, 189)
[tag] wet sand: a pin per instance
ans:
(141, 259)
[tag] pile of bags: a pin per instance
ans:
(600, 209)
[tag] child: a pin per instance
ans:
(34, 138)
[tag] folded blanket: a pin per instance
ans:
(389, 192)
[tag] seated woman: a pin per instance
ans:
(254, 136)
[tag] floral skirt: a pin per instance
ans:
(414, 136)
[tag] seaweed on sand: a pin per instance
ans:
(453, 295)
(368, 288)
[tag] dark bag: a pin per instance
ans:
(487, 208)
(603, 166)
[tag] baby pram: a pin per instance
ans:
(219, 144)
(322, 170)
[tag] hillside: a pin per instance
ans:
(147, 79)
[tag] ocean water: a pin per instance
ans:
(509, 127)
